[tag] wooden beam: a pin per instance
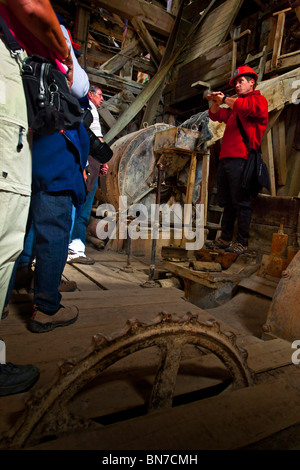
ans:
(107, 116)
(173, 7)
(156, 18)
(272, 119)
(278, 38)
(81, 31)
(234, 49)
(119, 60)
(284, 63)
(204, 183)
(97, 28)
(278, 90)
(139, 102)
(96, 56)
(262, 62)
(268, 157)
(143, 65)
(146, 39)
(297, 11)
(279, 150)
(282, 170)
(127, 69)
(151, 109)
(113, 81)
(150, 88)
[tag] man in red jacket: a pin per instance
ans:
(252, 110)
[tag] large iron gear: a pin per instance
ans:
(46, 413)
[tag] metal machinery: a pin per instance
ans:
(133, 173)
(47, 412)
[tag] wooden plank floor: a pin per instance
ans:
(107, 296)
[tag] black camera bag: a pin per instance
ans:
(50, 105)
(101, 151)
(256, 174)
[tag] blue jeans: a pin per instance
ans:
(52, 219)
(47, 238)
(28, 253)
(82, 219)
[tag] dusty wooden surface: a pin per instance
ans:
(107, 296)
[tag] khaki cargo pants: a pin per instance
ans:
(15, 168)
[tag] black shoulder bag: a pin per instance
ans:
(50, 106)
(256, 174)
(100, 152)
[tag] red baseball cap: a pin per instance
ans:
(244, 70)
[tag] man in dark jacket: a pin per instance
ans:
(252, 110)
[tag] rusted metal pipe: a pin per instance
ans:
(129, 253)
(160, 168)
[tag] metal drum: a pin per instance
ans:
(132, 169)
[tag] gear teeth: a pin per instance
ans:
(231, 336)
(45, 406)
(133, 326)
(66, 366)
(190, 317)
(99, 341)
(165, 317)
(243, 352)
(214, 325)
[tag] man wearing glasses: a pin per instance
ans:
(78, 237)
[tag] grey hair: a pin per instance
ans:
(94, 89)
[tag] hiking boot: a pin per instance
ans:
(218, 243)
(40, 322)
(17, 379)
(64, 286)
(237, 248)
(79, 258)
(67, 286)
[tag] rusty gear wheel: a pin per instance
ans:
(46, 413)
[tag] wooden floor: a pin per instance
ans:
(107, 297)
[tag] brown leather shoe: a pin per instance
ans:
(67, 286)
(41, 322)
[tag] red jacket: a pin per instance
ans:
(252, 109)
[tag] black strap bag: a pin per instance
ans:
(50, 105)
(256, 174)
(101, 151)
